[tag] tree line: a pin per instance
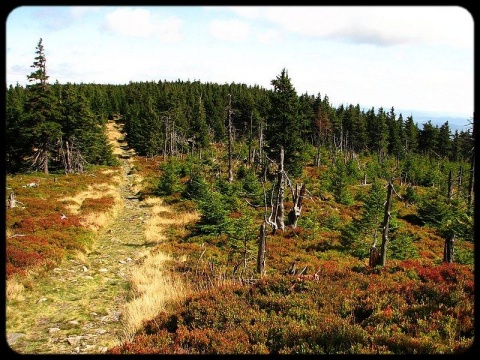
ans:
(64, 123)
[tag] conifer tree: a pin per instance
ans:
(41, 114)
(283, 127)
(14, 128)
(84, 139)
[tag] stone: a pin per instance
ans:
(53, 330)
(13, 337)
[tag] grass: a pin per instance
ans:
(152, 290)
(163, 218)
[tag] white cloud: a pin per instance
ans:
(379, 25)
(229, 30)
(78, 12)
(268, 36)
(141, 23)
(249, 12)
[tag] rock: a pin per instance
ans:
(73, 322)
(121, 262)
(84, 268)
(73, 340)
(41, 300)
(13, 337)
(101, 331)
(129, 259)
(53, 330)
(102, 270)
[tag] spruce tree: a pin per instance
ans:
(41, 114)
(283, 125)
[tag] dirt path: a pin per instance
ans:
(77, 307)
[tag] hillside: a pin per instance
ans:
(225, 219)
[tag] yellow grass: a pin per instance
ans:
(155, 225)
(113, 135)
(14, 290)
(152, 291)
(95, 221)
(150, 201)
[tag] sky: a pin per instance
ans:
(408, 57)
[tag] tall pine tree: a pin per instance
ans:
(283, 125)
(42, 115)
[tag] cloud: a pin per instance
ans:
(229, 30)
(375, 25)
(54, 18)
(78, 12)
(141, 23)
(249, 12)
(269, 36)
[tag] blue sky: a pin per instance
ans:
(410, 57)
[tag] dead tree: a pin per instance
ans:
(449, 190)
(295, 212)
(251, 154)
(279, 205)
(11, 201)
(374, 257)
(262, 250)
(386, 223)
(448, 249)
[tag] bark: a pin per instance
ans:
(295, 213)
(262, 250)
(386, 222)
(449, 191)
(11, 201)
(279, 206)
(374, 257)
(448, 249)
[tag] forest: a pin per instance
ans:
(321, 229)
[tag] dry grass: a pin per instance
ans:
(156, 224)
(95, 221)
(113, 134)
(152, 291)
(14, 290)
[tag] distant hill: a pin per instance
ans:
(454, 121)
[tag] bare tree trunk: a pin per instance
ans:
(449, 190)
(448, 249)
(386, 222)
(230, 172)
(459, 179)
(374, 257)
(11, 201)
(279, 207)
(45, 161)
(295, 213)
(68, 159)
(262, 250)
